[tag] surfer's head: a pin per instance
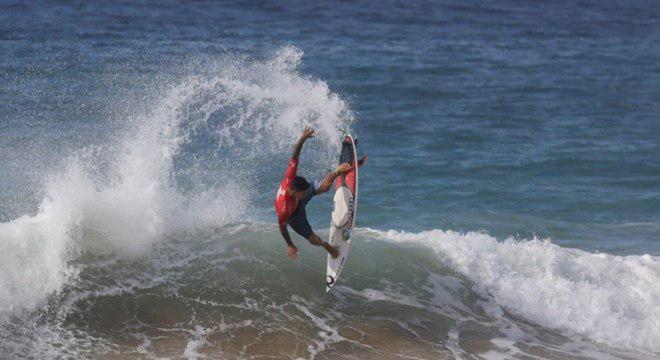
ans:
(299, 187)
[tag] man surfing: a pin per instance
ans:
(293, 195)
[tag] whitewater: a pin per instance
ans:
(130, 202)
(160, 242)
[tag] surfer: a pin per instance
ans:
(293, 195)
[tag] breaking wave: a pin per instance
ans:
(610, 299)
(123, 196)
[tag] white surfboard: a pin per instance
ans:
(344, 211)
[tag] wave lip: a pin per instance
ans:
(609, 299)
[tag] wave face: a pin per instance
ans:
(228, 291)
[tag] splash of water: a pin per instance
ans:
(235, 114)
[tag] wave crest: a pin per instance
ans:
(609, 299)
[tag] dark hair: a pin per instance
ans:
(299, 183)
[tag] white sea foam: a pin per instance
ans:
(125, 199)
(194, 343)
(609, 299)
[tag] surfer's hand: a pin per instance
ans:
(307, 133)
(343, 168)
(292, 251)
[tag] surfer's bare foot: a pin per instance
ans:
(334, 251)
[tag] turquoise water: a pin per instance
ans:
(509, 205)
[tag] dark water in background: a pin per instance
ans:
(141, 145)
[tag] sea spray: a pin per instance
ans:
(120, 198)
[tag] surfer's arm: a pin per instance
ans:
(330, 178)
(307, 133)
(292, 250)
(285, 234)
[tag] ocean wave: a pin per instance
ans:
(609, 299)
(124, 196)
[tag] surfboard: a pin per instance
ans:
(344, 210)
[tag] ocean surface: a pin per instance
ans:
(509, 206)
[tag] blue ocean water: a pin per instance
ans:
(508, 119)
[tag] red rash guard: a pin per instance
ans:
(286, 204)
